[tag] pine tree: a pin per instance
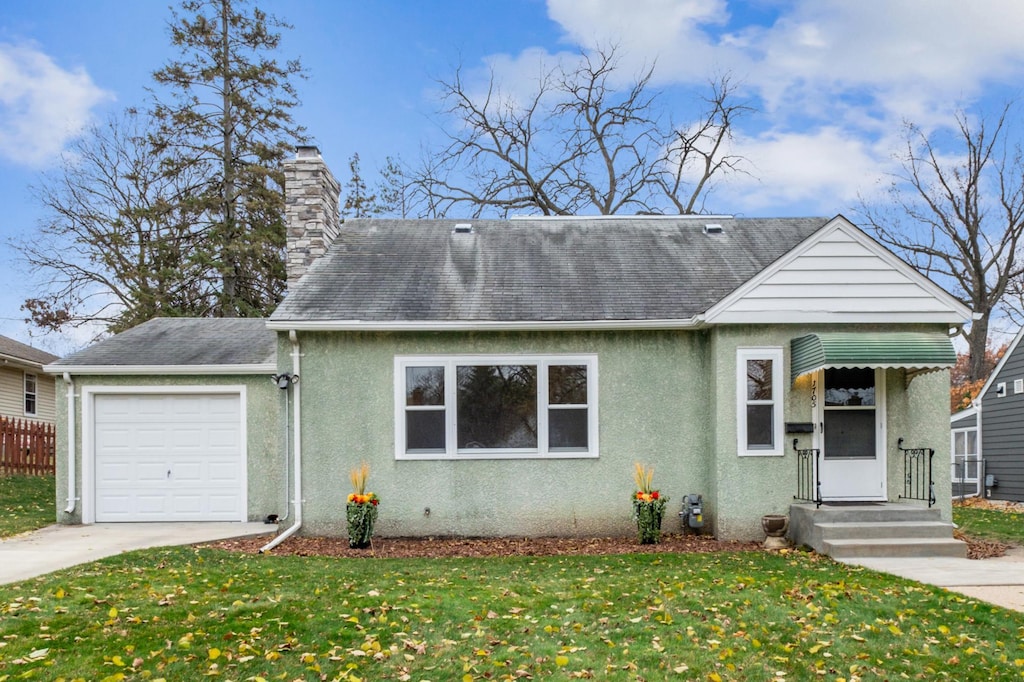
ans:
(224, 112)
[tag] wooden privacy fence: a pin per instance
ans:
(27, 448)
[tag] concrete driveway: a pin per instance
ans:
(55, 547)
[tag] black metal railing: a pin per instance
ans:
(918, 483)
(808, 481)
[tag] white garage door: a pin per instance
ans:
(168, 457)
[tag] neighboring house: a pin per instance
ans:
(26, 393)
(998, 439)
(966, 453)
(501, 377)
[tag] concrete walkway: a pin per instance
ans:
(55, 547)
(999, 581)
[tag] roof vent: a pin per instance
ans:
(712, 228)
(462, 228)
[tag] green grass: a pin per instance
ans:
(26, 503)
(186, 613)
(990, 524)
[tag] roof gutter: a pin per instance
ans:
(296, 446)
(72, 492)
(178, 370)
(693, 322)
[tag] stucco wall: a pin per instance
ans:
(666, 398)
(265, 437)
(754, 486)
(653, 409)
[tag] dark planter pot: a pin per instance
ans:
(648, 520)
(361, 518)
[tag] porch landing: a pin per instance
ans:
(873, 529)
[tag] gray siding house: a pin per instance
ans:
(501, 377)
(999, 411)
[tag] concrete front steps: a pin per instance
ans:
(850, 531)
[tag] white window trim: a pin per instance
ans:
(33, 393)
(1018, 386)
(775, 354)
(450, 362)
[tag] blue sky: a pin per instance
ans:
(832, 81)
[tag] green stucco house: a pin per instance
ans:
(501, 377)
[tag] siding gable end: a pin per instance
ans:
(839, 274)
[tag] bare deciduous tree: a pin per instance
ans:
(576, 144)
(958, 214)
(118, 239)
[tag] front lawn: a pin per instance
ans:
(26, 503)
(186, 613)
(990, 523)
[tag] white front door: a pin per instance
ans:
(851, 416)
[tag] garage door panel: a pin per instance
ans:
(187, 473)
(224, 504)
(151, 473)
(221, 472)
(115, 472)
(139, 438)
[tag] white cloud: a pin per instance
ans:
(825, 170)
(669, 32)
(42, 106)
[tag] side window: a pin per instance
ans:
(30, 394)
(759, 393)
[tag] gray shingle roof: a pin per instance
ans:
(182, 341)
(20, 351)
(532, 270)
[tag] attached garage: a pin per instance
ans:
(169, 456)
(174, 420)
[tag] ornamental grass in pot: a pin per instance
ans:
(361, 508)
(648, 505)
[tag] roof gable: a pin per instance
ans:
(534, 273)
(839, 274)
(994, 374)
(22, 353)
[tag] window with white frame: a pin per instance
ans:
(966, 462)
(490, 407)
(30, 394)
(759, 393)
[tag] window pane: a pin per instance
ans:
(497, 406)
(424, 430)
(567, 384)
(424, 385)
(959, 443)
(759, 379)
(972, 442)
(30, 404)
(759, 426)
(30, 383)
(567, 429)
(849, 433)
(850, 386)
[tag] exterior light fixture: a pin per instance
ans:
(284, 380)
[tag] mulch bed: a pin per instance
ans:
(431, 547)
(482, 547)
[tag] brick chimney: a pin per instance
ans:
(312, 219)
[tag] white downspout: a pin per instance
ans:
(296, 446)
(72, 496)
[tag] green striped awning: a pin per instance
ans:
(921, 351)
